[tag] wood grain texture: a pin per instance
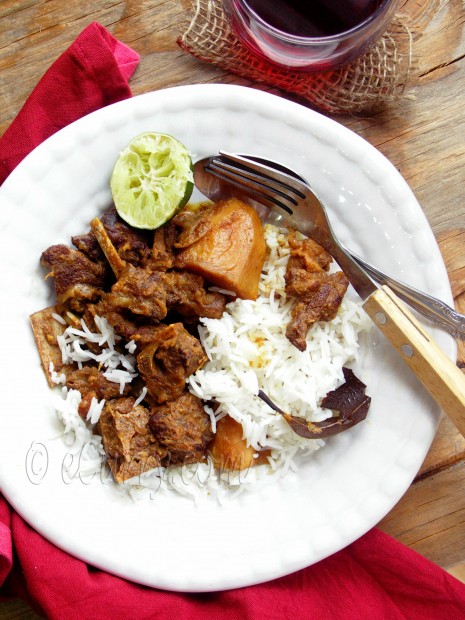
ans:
(449, 446)
(436, 371)
(430, 518)
(422, 135)
(17, 609)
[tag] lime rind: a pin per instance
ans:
(152, 180)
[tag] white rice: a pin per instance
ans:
(247, 350)
(119, 367)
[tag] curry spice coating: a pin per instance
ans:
(129, 444)
(153, 289)
(319, 293)
(168, 361)
(183, 427)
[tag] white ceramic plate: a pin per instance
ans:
(168, 542)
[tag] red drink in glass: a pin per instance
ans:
(309, 35)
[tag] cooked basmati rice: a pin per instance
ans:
(247, 350)
(72, 341)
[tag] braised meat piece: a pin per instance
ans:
(307, 266)
(151, 294)
(77, 279)
(307, 258)
(169, 360)
(92, 384)
(192, 224)
(183, 427)
(131, 244)
(187, 296)
(162, 257)
(130, 446)
(127, 327)
(318, 293)
(321, 305)
(89, 246)
(139, 291)
(307, 254)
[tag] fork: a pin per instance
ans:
(292, 201)
(432, 308)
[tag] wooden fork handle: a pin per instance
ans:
(438, 373)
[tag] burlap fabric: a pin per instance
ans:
(377, 78)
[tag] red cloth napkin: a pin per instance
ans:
(93, 72)
(376, 577)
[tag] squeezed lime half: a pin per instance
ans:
(152, 180)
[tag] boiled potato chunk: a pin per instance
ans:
(231, 250)
(229, 449)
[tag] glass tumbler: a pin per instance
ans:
(309, 35)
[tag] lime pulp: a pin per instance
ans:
(152, 180)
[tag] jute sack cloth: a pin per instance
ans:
(376, 78)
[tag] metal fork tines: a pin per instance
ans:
(294, 203)
(293, 199)
(304, 210)
(283, 192)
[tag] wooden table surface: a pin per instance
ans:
(422, 135)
